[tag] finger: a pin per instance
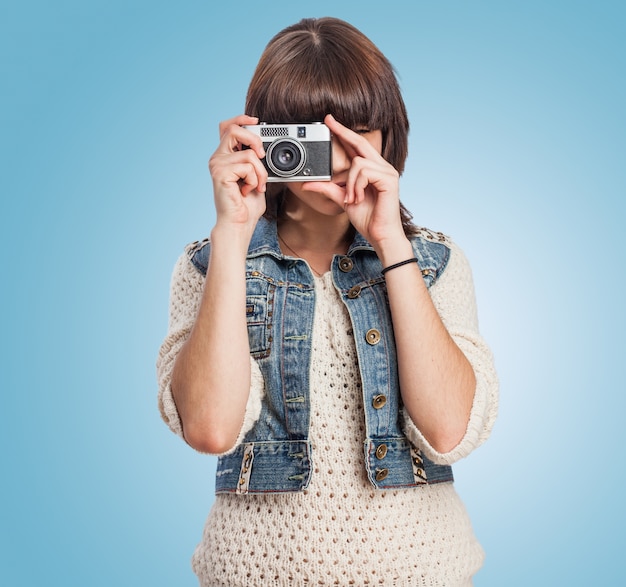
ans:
(331, 190)
(248, 188)
(353, 143)
(236, 137)
(256, 176)
(233, 136)
(358, 179)
(360, 186)
(365, 174)
(240, 120)
(248, 179)
(238, 166)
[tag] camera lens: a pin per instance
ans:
(285, 157)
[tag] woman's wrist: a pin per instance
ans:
(385, 270)
(392, 251)
(234, 238)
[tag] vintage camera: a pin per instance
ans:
(295, 152)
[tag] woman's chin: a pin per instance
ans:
(322, 196)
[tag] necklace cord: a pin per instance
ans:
(282, 240)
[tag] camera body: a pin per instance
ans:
(295, 152)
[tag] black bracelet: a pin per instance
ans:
(396, 265)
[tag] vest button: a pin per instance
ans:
(378, 401)
(381, 474)
(354, 292)
(372, 336)
(381, 451)
(346, 264)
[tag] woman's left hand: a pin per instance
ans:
(371, 191)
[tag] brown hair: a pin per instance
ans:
(326, 66)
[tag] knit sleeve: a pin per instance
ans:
(185, 295)
(454, 298)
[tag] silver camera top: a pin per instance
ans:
(316, 131)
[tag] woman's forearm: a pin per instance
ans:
(436, 380)
(211, 375)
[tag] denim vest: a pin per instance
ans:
(276, 454)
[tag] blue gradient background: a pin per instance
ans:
(109, 112)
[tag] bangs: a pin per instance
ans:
(312, 79)
(305, 95)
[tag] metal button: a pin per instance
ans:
(378, 401)
(346, 264)
(381, 451)
(354, 292)
(372, 336)
(381, 474)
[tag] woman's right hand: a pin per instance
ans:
(239, 176)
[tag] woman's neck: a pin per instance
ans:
(329, 236)
(315, 238)
(307, 228)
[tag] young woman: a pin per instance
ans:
(325, 347)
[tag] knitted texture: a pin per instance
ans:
(341, 531)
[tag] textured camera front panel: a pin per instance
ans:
(318, 166)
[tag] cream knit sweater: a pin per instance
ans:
(341, 531)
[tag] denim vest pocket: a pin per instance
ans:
(259, 314)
